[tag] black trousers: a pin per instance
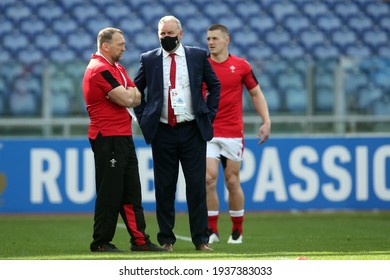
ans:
(171, 146)
(118, 190)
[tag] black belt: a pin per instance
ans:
(182, 124)
(185, 123)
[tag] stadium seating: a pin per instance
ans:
(268, 33)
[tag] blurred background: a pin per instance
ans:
(324, 66)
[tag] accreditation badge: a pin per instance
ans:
(178, 103)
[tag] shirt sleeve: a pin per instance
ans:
(110, 81)
(250, 79)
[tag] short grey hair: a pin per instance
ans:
(169, 18)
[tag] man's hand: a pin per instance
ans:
(264, 132)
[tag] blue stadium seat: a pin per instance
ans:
(50, 12)
(32, 26)
(136, 4)
(381, 107)
(290, 78)
(6, 26)
(248, 10)
(265, 80)
(15, 42)
(366, 96)
(185, 10)
(315, 9)
(30, 55)
(384, 24)
(68, 5)
(311, 37)
(296, 100)
(61, 81)
(12, 70)
(197, 24)
(232, 22)
(146, 40)
(325, 51)
(273, 99)
(343, 37)
(323, 78)
(60, 103)
(82, 41)
(104, 4)
(64, 91)
(360, 23)
(64, 26)
(329, 23)
(291, 51)
(346, 9)
(245, 39)
(301, 3)
(354, 79)
(191, 39)
(375, 37)
(235, 50)
(262, 23)
(117, 11)
(63, 54)
(47, 41)
(277, 37)
(377, 9)
(323, 99)
(94, 25)
(260, 52)
(381, 78)
(4, 4)
(82, 13)
(33, 83)
(281, 10)
(152, 13)
(22, 102)
(358, 50)
(296, 23)
(384, 50)
(216, 10)
(130, 27)
(274, 67)
(17, 12)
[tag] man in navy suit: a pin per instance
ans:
(176, 119)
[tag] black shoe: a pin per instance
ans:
(148, 247)
(108, 247)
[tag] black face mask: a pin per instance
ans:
(169, 43)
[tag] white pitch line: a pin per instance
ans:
(184, 238)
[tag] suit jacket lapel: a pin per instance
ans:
(190, 68)
(158, 62)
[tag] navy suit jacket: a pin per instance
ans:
(149, 81)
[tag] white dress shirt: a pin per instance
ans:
(182, 84)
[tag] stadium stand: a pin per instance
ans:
(277, 36)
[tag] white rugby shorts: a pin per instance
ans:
(231, 148)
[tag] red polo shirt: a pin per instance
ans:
(106, 117)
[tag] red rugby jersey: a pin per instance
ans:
(233, 74)
(106, 117)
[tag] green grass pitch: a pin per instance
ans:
(267, 236)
